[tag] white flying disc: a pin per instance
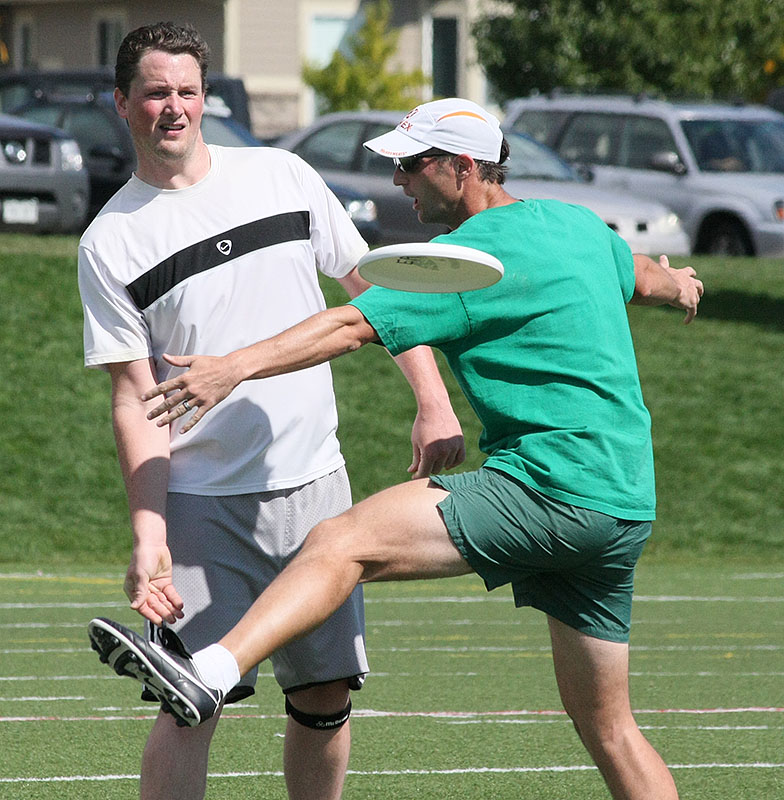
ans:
(430, 267)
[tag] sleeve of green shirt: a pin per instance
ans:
(404, 320)
(624, 265)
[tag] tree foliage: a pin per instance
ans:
(359, 78)
(696, 48)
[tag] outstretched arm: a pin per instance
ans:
(657, 284)
(436, 436)
(210, 379)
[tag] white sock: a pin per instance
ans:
(217, 667)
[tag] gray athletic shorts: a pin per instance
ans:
(227, 550)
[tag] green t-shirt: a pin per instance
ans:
(545, 356)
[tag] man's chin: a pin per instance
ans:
(174, 151)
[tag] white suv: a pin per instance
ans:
(719, 167)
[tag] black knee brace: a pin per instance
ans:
(319, 722)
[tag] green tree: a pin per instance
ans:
(696, 48)
(360, 78)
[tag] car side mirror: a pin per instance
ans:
(668, 161)
(585, 172)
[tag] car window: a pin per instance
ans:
(641, 139)
(736, 145)
(541, 125)
(46, 115)
(13, 96)
(372, 163)
(591, 138)
(331, 147)
(530, 159)
(92, 129)
(215, 130)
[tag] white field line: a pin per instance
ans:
(544, 650)
(541, 714)
(39, 625)
(641, 598)
(711, 728)
(394, 773)
(46, 678)
(39, 699)
(43, 679)
(27, 651)
(758, 576)
(449, 599)
(97, 604)
(111, 577)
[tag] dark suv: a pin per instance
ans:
(105, 141)
(720, 167)
(43, 182)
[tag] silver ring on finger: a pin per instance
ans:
(186, 405)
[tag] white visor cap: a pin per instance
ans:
(453, 125)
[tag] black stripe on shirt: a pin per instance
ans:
(217, 250)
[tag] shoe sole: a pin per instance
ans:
(127, 659)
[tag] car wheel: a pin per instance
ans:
(725, 236)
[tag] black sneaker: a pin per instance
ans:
(167, 671)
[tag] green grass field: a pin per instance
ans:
(461, 702)
(714, 389)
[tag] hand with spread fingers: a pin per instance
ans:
(206, 381)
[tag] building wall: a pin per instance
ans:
(270, 49)
(65, 33)
(265, 42)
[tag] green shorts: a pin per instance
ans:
(574, 564)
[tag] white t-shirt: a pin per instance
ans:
(210, 268)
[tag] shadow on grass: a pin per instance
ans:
(735, 306)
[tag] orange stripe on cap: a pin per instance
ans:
(462, 114)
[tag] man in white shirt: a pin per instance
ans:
(207, 249)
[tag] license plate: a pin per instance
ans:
(20, 212)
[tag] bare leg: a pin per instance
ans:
(174, 763)
(314, 761)
(593, 679)
(393, 535)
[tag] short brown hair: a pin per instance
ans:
(164, 36)
(494, 172)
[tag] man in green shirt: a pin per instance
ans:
(562, 506)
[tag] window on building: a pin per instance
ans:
(445, 56)
(111, 32)
(24, 44)
(326, 34)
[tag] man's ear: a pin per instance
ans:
(121, 103)
(463, 165)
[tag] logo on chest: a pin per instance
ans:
(224, 246)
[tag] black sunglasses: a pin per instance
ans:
(412, 164)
